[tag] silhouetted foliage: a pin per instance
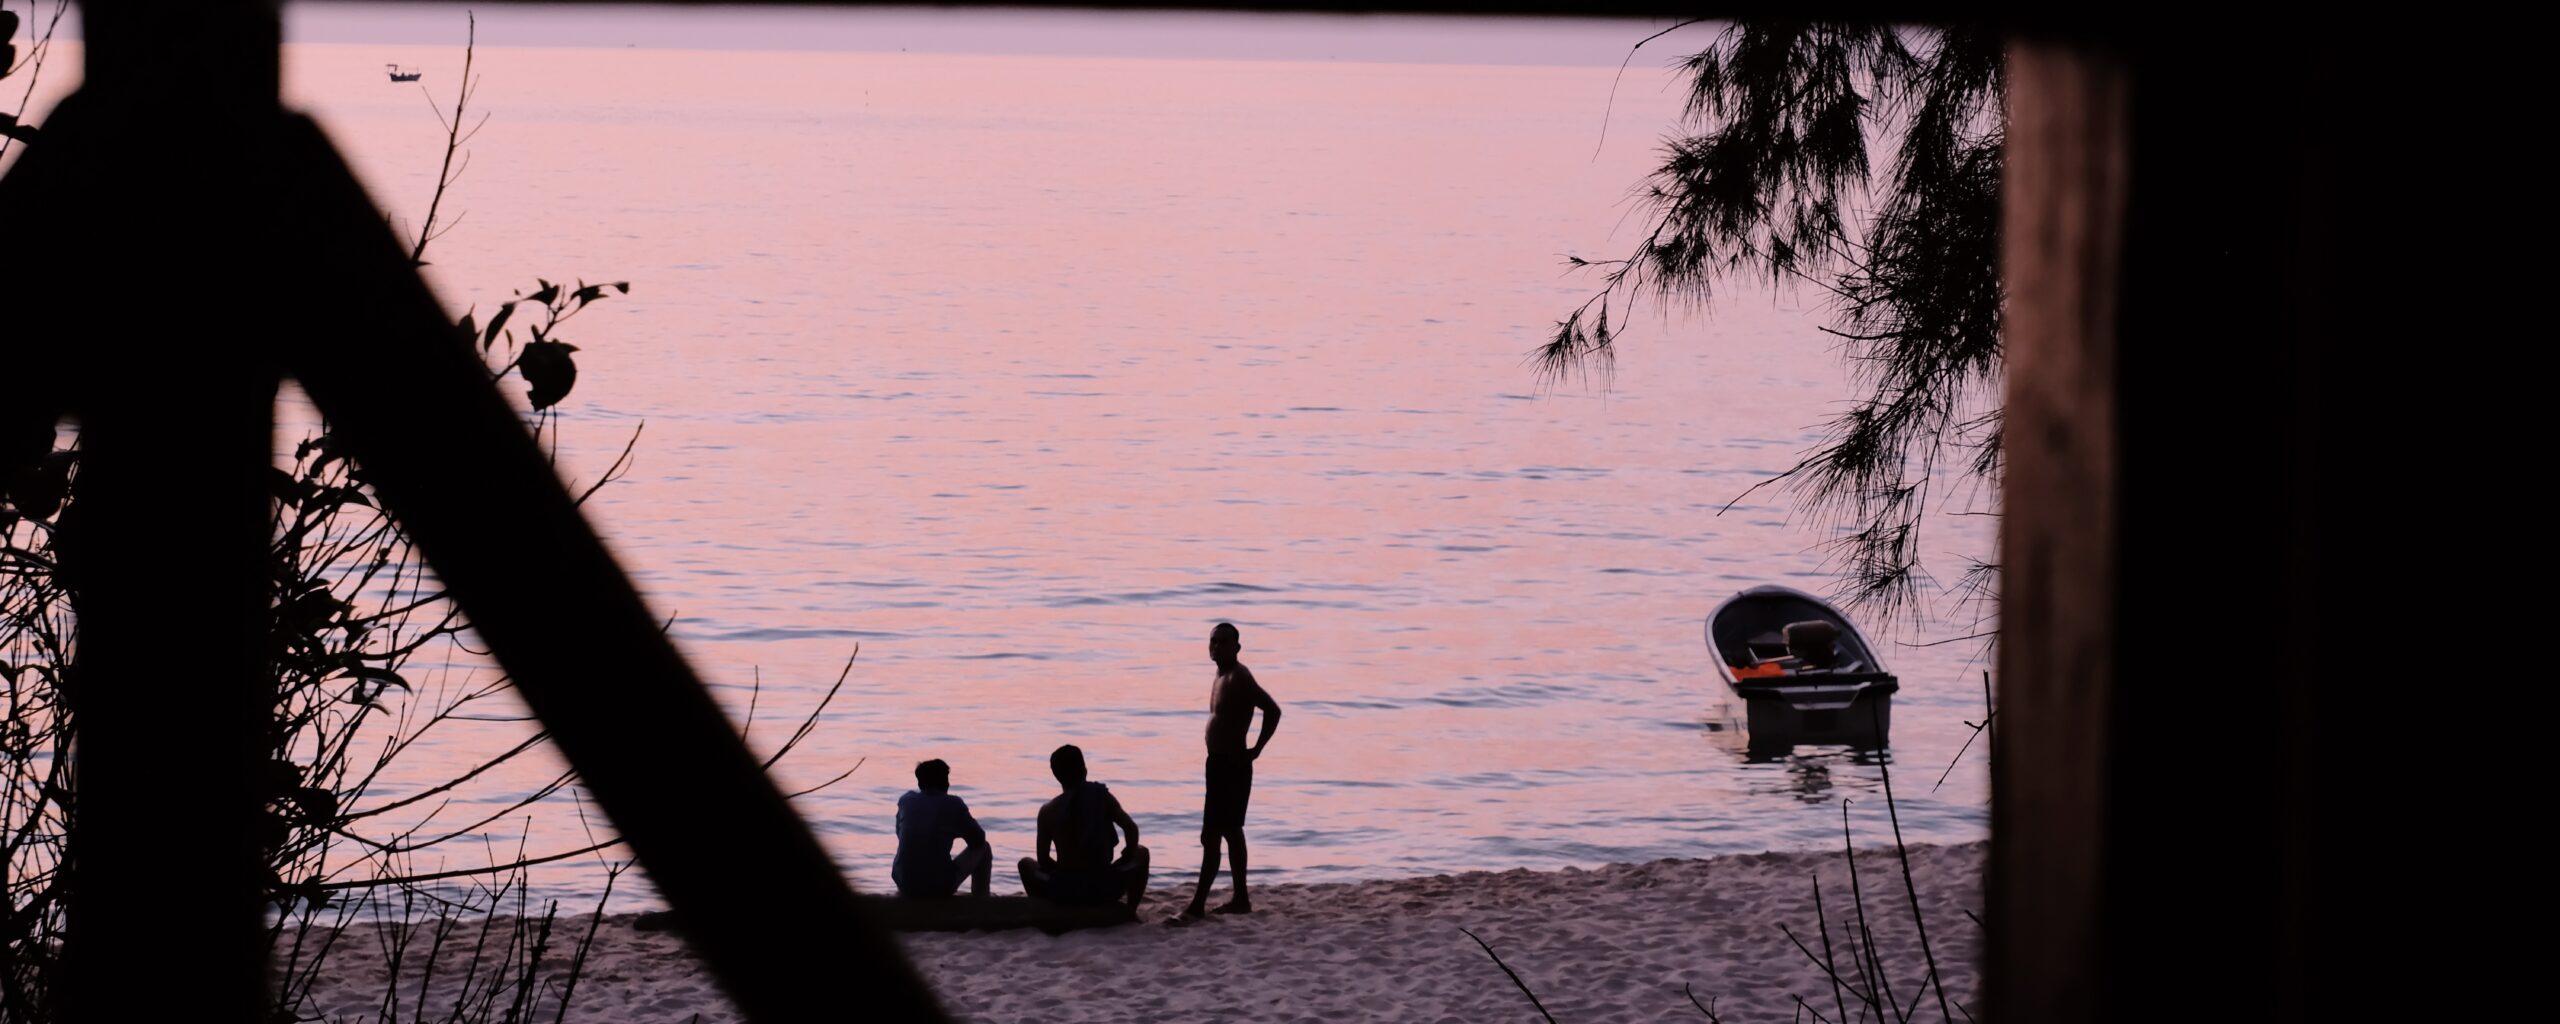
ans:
(544, 361)
(1779, 184)
(353, 606)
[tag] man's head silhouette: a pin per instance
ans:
(1067, 764)
(1224, 642)
(933, 776)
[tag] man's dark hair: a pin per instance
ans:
(1229, 630)
(933, 776)
(1067, 764)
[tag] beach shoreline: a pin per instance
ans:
(1618, 943)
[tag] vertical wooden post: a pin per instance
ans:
(164, 148)
(2063, 212)
(165, 868)
(2166, 628)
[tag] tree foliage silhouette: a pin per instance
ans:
(1862, 160)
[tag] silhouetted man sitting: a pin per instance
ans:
(929, 818)
(1078, 823)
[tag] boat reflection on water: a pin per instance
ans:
(1808, 766)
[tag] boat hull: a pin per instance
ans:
(1865, 719)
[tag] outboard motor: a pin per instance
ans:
(1814, 644)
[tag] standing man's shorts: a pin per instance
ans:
(1230, 789)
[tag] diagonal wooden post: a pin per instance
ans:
(177, 136)
(761, 900)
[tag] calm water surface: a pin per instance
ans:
(1018, 372)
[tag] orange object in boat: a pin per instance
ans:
(1762, 670)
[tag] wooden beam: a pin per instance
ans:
(760, 900)
(135, 194)
(2063, 208)
(2169, 642)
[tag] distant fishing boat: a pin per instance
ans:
(1804, 673)
(398, 75)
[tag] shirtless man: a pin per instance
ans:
(1232, 699)
(1078, 824)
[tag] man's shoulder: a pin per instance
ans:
(920, 798)
(1058, 804)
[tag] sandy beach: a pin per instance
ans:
(1602, 946)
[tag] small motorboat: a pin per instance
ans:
(1803, 672)
(398, 74)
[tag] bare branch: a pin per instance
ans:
(1515, 976)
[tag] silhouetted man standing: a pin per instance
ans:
(1232, 700)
